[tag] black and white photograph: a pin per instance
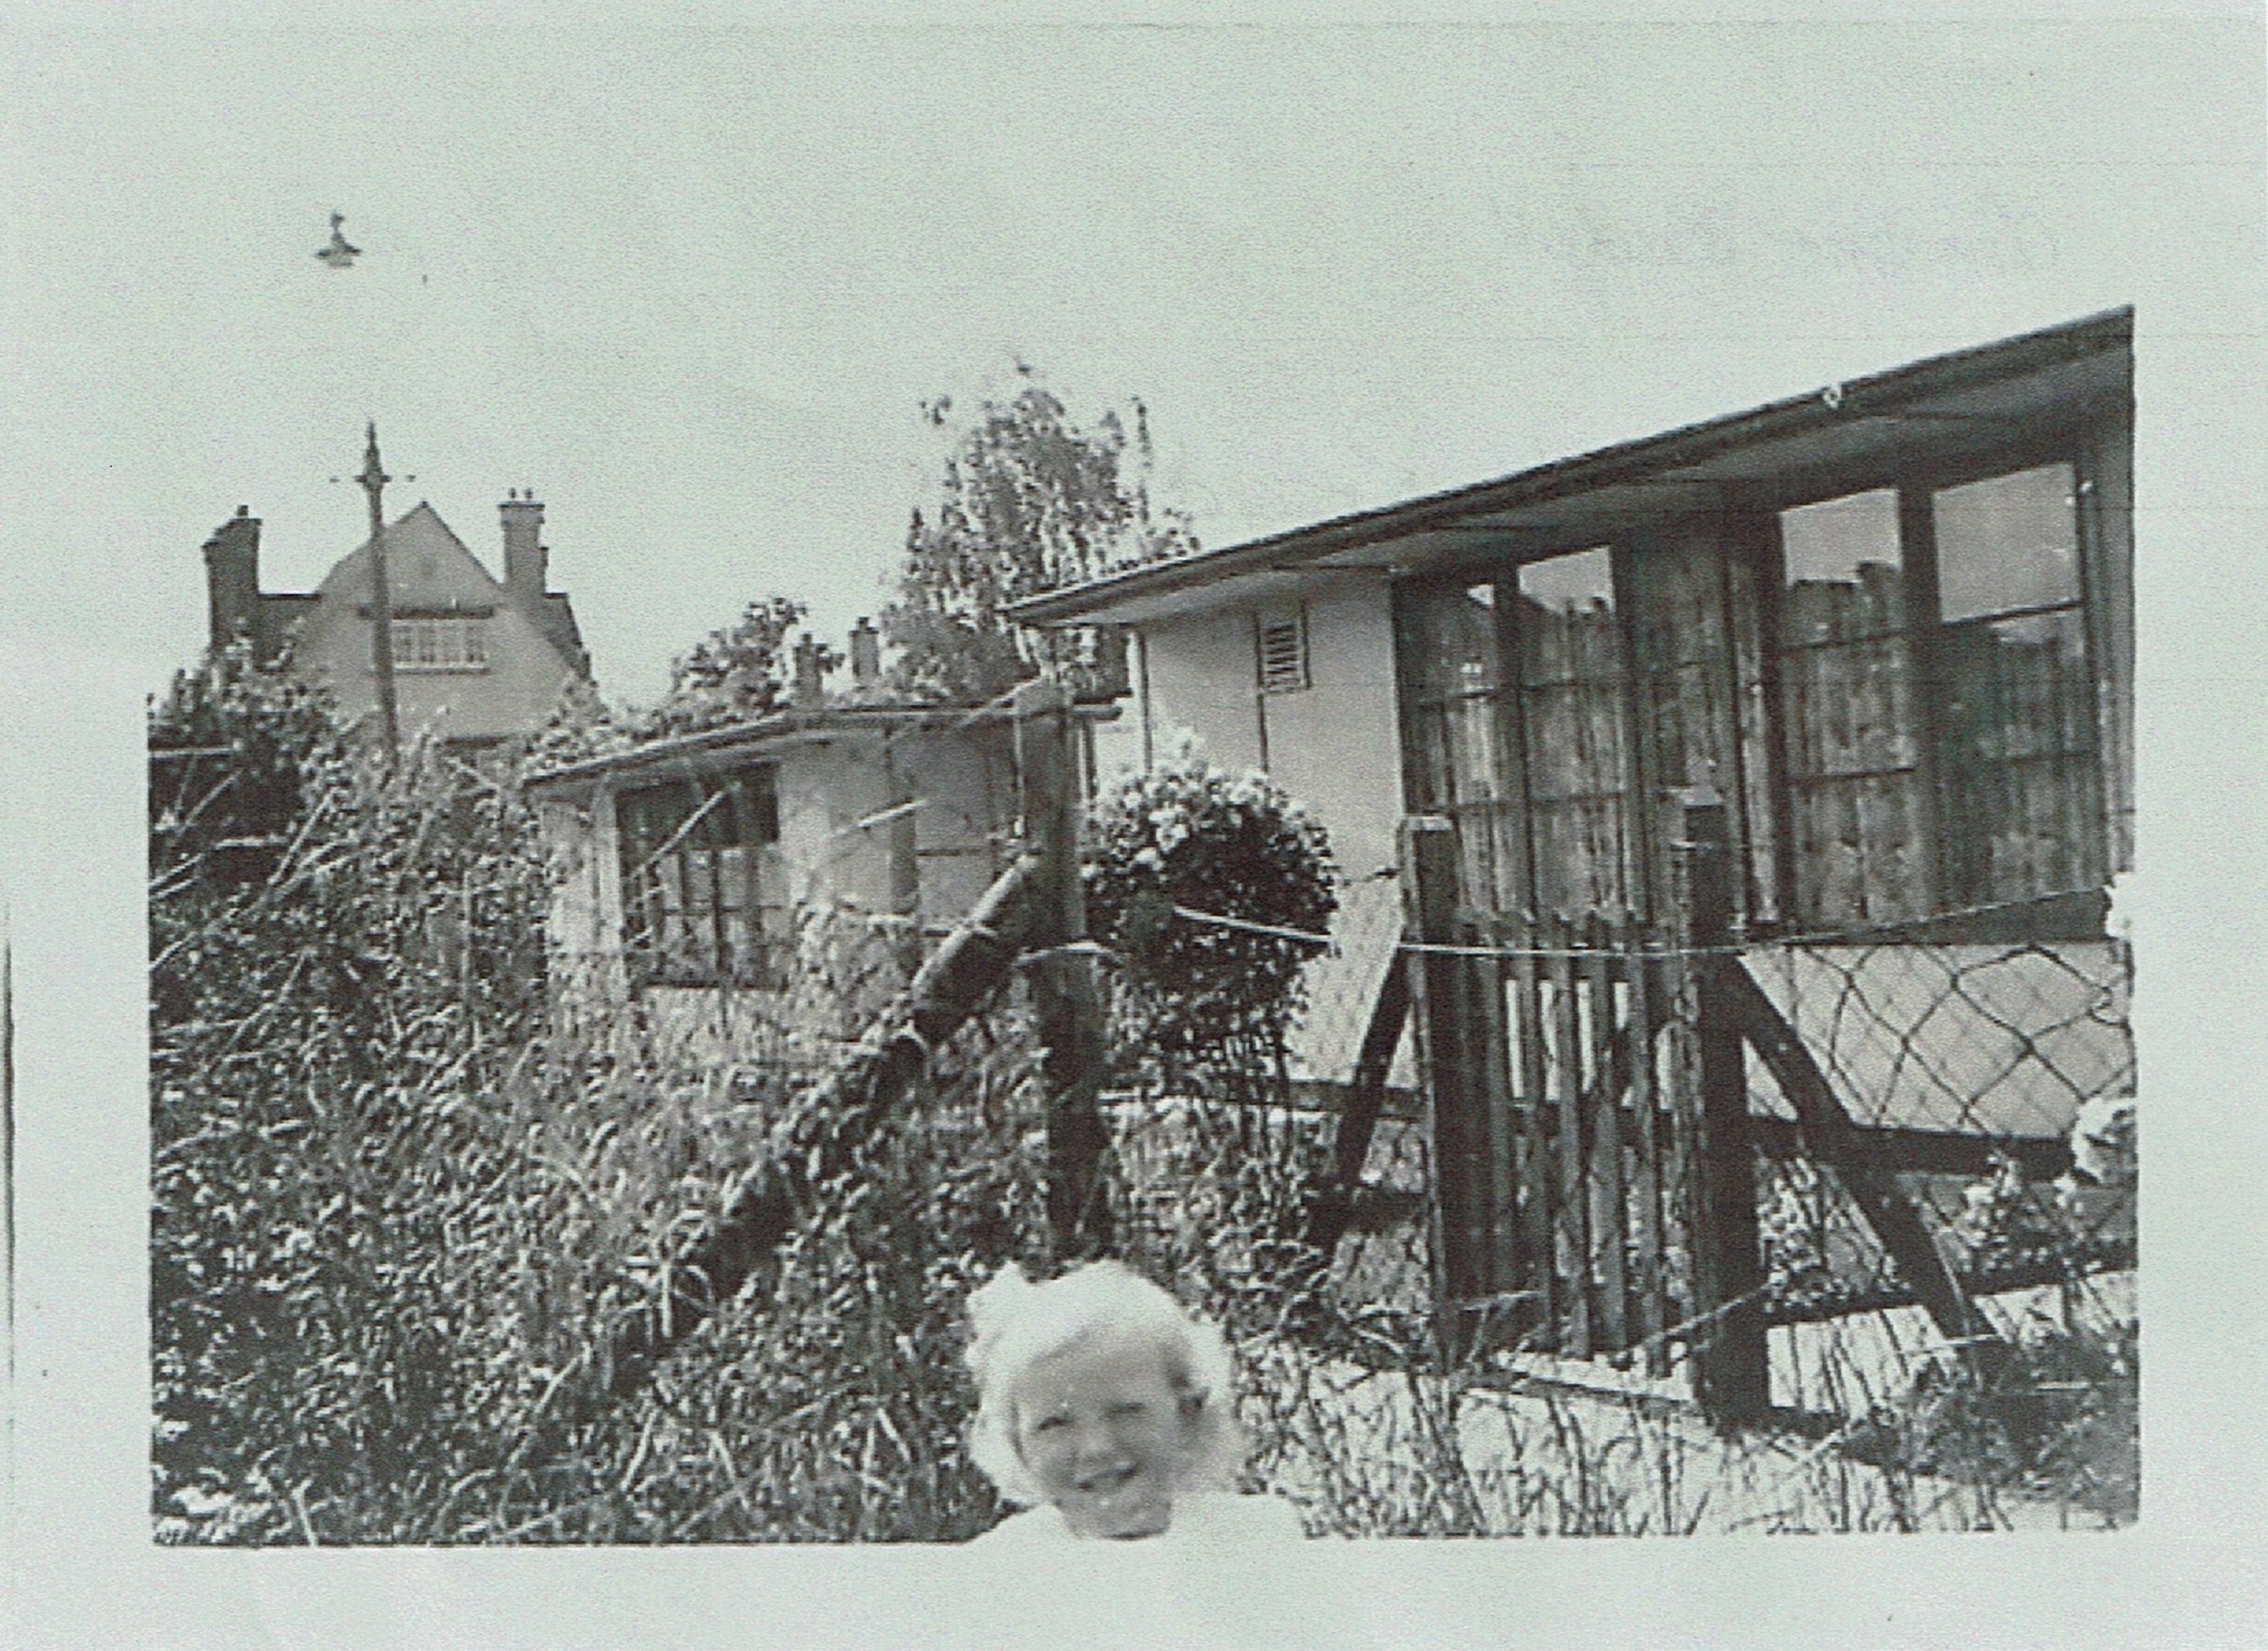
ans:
(1254, 797)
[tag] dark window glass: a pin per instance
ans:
(703, 897)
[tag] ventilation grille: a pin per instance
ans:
(1281, 635)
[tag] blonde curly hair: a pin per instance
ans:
(1013, 1322)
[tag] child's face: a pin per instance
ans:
(1104, 1433)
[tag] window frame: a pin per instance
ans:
(468, 657)
(1916, 480)
(693, 943)
(1747, 529)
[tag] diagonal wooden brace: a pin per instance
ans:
(1832, 1136)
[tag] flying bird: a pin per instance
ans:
(338, 254)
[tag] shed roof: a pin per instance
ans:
(2037, 382)
(711, 748)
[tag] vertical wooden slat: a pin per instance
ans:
(1647, 1180)
(1573, 1245)
(1610, 1213)
(1536, 1198)
(1498, 1138)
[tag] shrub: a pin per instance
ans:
(1193, 994)
(346, 962)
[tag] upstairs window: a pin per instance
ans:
(704, 901)
(441, 642)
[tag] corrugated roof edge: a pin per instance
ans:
(2109, 329)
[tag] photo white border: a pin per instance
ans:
(82, 1569)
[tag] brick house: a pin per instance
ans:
(479, 660)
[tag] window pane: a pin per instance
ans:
(476, 642)
(2008, 543)
(1567, 620)
(2019, 794)
(1701, 694)
(405, 643)
(1453, 641)
(1843, 570)
(1572, 690)
(1849, 716)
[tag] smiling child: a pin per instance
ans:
(1106, 1408)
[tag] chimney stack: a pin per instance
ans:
(807, 694)
(865, 655)
(232, 579)
(525, 574)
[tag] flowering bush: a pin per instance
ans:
(1193, 839)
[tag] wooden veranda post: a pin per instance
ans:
(1429, 878)
(1065, 1000)
(1731, 1374)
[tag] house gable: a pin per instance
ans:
(489, 670)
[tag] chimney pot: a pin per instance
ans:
(806, 694)
(866, 654)
(526, 573)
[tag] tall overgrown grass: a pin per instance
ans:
(400, 1207)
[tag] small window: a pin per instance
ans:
(1281, 637)
(442, 643)
(703, 893)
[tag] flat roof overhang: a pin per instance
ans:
(687, 755)
(2000, 394)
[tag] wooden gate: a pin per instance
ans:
(1564, 1118)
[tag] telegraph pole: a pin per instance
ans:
(373, 479)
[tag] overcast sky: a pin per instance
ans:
(692, 286)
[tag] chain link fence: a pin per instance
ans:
(1991, 1084)
(401, 1217)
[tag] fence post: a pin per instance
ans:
(1064, 995)
(1731, 1372)
(1428, 873)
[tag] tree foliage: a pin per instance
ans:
(734, 674)
(737, 673)
(1031, 501)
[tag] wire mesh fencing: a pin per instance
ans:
(411, 1179)
(1986, 1088)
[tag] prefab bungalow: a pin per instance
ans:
(682, 866)
(1887, 624)
(1888, 621)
